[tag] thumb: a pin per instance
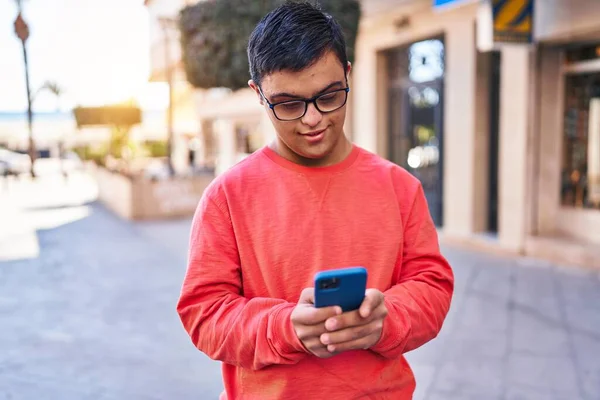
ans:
(371, 302)
(307, 296)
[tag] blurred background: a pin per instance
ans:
(115, 116)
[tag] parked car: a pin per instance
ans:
(3, 168)
(14, 163)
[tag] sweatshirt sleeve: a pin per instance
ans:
(419, 300)
(222, 323)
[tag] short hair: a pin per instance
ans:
(292, 37)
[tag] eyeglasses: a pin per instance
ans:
(290, 110)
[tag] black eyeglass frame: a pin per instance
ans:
(312, 100)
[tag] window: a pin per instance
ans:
(580, 180)
(582, 53)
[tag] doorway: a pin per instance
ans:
(494, 142)
(416, 104)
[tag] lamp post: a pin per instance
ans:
(167, 25)
(22, 32)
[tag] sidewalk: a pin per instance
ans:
(27, 205)
(93, 317)
(518, 329)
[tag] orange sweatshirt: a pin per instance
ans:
(261, 232)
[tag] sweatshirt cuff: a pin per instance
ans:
(396, 328)
(287, 339)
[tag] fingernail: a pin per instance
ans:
(330, 348)
(365, 312)
(325, 339)
(338, 310)
(330, 324)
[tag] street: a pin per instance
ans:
(87, 311)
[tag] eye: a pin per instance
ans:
(294, 105)
(328, 97)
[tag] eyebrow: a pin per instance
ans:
(293, 96)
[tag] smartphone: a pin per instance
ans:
(344, 287)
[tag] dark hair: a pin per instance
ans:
(292, 37)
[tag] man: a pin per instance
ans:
(308, 202)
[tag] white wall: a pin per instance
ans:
(565, 19)
(515, 116)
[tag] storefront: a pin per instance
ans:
(566, 204)
(506, 139)
(576, 140)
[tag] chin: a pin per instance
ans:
(312, 151)
(316, 155)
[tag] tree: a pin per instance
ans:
(51, 87)
(214, 37)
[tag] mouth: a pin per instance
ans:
(314, 133)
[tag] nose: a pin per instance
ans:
(312, 116)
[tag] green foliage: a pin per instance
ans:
(118, 147)
(214, 37)
(119, 142)
(92, 153)
(156, 148)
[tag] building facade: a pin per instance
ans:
(506, 139)
(564, 136)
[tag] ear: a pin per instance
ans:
(348, 69)
(254, 87)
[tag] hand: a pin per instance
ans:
(309, 323)
(359, 329)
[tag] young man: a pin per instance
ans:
(308, 202)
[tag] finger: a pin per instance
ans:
(317, 348)
(306, 332)
(373, 298)
(345, 320)
(351, 334)
(363, 343)
(312, 316)
(353, 318)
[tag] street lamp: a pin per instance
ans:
(22, 32)
(168, 25)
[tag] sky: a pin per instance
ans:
(96, 50)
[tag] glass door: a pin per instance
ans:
(416, 116)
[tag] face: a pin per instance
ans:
(317, 138)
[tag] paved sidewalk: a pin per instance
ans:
(93, 317)
(518, 329)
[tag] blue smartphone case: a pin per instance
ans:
(343, 287)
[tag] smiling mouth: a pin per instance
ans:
(315, 133)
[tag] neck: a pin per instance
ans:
(341, 150)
